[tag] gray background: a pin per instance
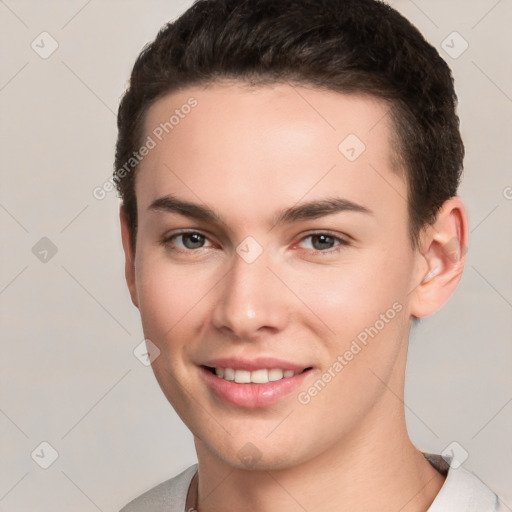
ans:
(67, 372)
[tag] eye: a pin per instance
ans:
(188, 240)
(322, 242)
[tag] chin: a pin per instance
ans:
(256, 456)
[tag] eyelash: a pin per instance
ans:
(342, 242)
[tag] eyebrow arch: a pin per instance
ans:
(319, 208)
(304, 211)
(172, 204)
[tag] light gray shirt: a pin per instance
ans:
(462, 491)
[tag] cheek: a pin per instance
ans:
(351, 296)
(166, 295)
(170, 301)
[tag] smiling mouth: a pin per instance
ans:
(259, 376)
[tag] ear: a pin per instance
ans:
(441, 258)
(129, 265)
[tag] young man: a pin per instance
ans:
(288, 172)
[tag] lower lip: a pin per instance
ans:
(252, 395)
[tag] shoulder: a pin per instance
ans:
(169, 495)
(462, 490)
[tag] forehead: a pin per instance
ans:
(268, 145)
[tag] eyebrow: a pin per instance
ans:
(304, 211)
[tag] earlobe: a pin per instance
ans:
(129, 266)
(443, 252)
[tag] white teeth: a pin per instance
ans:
(242, 376)
(259, 376)
(275, 374)
(229, 374)
(262, 376)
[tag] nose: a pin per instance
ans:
(252, 299)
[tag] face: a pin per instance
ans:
(273, 249)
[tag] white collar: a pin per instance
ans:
(462, 491)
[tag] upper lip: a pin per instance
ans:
(254, 364)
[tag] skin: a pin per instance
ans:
(247, 153)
